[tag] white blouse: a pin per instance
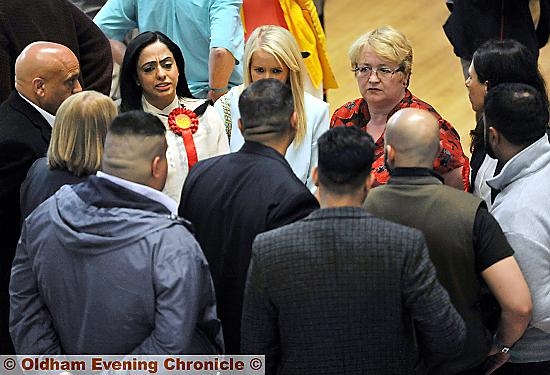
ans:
(210, 140)
(485, 172)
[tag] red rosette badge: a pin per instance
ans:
(185, 123)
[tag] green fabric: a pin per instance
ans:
(446, 217)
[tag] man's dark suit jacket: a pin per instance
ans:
(24, 137)
(338, 292)
(229, 200)
(59, 21)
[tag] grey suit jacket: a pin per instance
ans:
(340, 292)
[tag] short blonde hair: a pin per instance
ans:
(388, 43)
(79, 132)
(280, 43)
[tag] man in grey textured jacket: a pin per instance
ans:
(340, 291)
(516, 120)
(106, 267)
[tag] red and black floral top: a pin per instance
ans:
(451, 156)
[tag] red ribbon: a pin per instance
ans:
(185, 123)
(190, 148)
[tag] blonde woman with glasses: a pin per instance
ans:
(75, 151)
(381, 61)
(272, 52)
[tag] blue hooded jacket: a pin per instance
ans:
(102, 269)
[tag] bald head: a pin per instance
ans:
(47, 73)
(135, 149)
(413, 137)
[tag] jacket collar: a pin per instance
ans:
(147, 191)
(18, 104)
(101, 192)
(415, 176)
(528, 161)
(47, 116)
(257, 148)
(338, 212)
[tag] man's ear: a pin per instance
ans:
(389, 153)
(38, 86)
(157, 167)
(315, 176)
(493, 136)
(369, 181)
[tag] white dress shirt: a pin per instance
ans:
(210, 140)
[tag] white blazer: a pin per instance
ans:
(302, 158)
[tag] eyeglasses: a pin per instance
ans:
(383, 72)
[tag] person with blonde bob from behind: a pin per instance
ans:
(272, 52)
(75, 150)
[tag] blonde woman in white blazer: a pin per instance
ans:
(272, 52)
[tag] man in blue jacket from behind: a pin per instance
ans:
(106, 267)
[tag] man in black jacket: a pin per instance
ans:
(47, 73)
(231, 198)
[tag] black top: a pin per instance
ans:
(229, 199)
(24, 137)
(473, 22)
(41, 183)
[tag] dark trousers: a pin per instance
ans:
(529, 368)
(478, 370)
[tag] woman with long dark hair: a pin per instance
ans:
(152, 79)
(493, 63)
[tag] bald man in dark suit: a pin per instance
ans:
(58, 21)
(47, 73)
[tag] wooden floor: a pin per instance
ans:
(436, 72)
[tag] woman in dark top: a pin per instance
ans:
(75, 150)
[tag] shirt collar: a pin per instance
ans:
(47, 116)
(144, 190)
(148, 107)
(363, 106)
(414, 172)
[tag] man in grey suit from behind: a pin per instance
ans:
(343, 291)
